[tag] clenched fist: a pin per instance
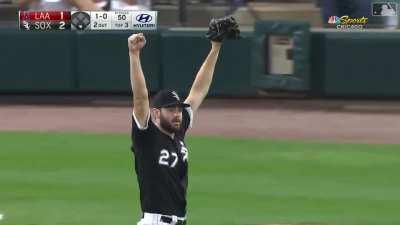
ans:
(136, 42)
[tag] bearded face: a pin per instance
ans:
(171, 119)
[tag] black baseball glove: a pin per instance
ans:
(223, 28)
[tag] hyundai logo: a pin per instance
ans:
(144, 18)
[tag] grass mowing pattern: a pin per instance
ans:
(88, 179)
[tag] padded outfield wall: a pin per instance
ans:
(346, 64)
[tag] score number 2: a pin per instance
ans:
(61, 26)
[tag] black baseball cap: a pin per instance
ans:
(167, 98)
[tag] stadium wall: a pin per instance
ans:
(355, 64)
(343, 64)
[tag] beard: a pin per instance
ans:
(168, 126)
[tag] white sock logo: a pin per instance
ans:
(184, 152)
(175, 95)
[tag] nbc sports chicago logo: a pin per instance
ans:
(348, 23)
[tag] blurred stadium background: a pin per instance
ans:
(301, 125)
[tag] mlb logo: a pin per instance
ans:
(334, 20)
(384, 9)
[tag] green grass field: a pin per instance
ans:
(88, 179)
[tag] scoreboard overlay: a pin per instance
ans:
(87, 20)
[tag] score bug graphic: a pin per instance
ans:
(87, 20)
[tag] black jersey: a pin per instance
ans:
(161, 165)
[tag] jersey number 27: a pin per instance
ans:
(164, 158)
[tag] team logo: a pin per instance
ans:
(175, 95)
(26, 25)
(144, 18)
(184, 151)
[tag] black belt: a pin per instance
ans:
(168, 219)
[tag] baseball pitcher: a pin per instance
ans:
(159, 128)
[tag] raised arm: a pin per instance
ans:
(204, 77)
(140, 94)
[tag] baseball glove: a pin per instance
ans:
(223, 28)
